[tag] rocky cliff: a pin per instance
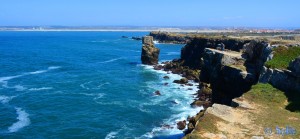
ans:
(232, 73)
(287, 79)
(226, 74)
(149, 52)
(165, 37)
(193, 52)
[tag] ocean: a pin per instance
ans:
(87, 85)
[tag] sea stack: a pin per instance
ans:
(149, 52)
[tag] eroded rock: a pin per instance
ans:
(149, 52)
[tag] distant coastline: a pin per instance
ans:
(148, 29)
(122, 30)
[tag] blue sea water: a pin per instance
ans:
(86, 85)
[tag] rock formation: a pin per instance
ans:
(193, 52)
(230, 73)
(227, 75)
(149, 52)
(165, 37)
(285, 80)
(181, 125)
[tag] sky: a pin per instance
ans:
(216, 13)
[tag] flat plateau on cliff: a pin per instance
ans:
(227, 52)
(261, 113)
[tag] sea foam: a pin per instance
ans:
(181, 95)
(111, 135)
(39, 89)
(111, 60)
(23, 120)
(5, 99)
(2, 79)
(173, 53)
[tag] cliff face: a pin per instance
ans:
(165, 37)
(230, 73)
(149, 52)
(192, 53)
(226, 74)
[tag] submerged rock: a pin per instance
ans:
(166, 77)
(157, 93)
(149, 52)
(181, 125)
(158, 67)
(136, 38)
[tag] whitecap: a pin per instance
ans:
(98, 96)
(99, 41)
(2, 79)
(99, 86)
(155, 42)
(19, 87)
(92, 85)
(5, 99)
(23, 120)
(173, 53)
(38, 72)
(53, 67)
(111, 60)
(111, 135)
(83, 85)
(117, 103)
(39, 89)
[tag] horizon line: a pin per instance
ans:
(140, 26)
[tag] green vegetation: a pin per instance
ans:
(265, 94)
(283, 56)
(207, 123)
(273, 105)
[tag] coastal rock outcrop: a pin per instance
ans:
(165, 37)
(181, 81)
(282, 79)
(149, 52)
(232, 73)
(227, 75)
(193, 52)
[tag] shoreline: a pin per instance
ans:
(194, 110)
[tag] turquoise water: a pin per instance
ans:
(85, 85)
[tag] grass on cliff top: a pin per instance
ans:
(282, 57)
(272, 108)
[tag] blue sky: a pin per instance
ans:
(250, 13)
